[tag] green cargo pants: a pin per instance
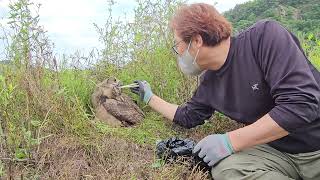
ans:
(265, 162)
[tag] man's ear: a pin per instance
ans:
(198, 42)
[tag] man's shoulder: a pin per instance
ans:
(267, 27)
(266, 22)
(262, 26)
(261, 32)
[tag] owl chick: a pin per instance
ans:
(114, 107)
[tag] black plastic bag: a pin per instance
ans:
(170, 149)
(174, 147)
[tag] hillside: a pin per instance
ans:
(297, 15)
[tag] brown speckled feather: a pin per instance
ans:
(124, 109)
(125, 98)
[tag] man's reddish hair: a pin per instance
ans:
(202, 19)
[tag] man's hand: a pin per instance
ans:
(144, 91)
(214, 148)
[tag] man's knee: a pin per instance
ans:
(239, 166)
(227, 168)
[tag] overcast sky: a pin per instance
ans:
(70, 22)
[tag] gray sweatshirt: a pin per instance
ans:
(266, 71)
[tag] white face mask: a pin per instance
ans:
(188, 64)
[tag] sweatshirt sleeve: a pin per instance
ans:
(195, 111)
(286, 69)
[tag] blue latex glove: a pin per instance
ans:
(144, 91)
(214, 148)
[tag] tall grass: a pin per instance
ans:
(142, 50)
(41, 99)
(35, 102)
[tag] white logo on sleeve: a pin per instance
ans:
(255, 87)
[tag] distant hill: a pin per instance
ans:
(297, 15)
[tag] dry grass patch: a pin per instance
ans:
(101, 158)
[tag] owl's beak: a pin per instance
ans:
(117, 84)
